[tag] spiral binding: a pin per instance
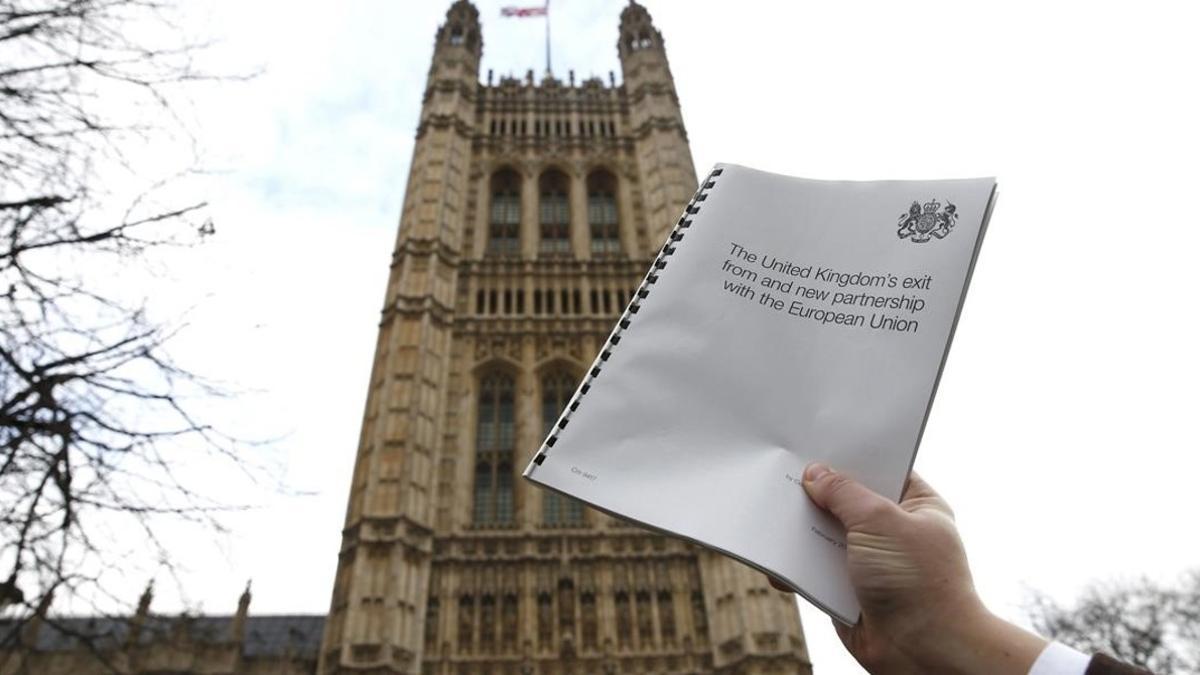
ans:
(660, 263)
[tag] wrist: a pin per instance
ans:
(981, 642)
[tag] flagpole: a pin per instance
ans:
(548, 74)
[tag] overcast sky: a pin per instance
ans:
(1064, 433)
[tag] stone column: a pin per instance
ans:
(529, 214)
(580, 233)
(630, 245)
(528, 432)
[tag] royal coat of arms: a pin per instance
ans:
(930, 221)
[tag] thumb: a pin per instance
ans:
(848, 500)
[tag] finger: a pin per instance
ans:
(917, 488)
(919, 495)
(843, 632)
(848, 500)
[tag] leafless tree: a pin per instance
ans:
(1150, 624)
(94, 415)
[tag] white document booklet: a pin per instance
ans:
(785, 321)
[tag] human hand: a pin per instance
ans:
(920, 611)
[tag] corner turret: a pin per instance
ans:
(656, 123)
(458, 46)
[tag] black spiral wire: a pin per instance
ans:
(660, 263)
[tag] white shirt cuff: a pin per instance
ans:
(1059, 659)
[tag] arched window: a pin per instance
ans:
(505, 224)
(699, 613)
(666, 616)
(554, 212)
(483, 491)
(494, 451)
(602, 214)
(557, 510)
(587, 607)
(487, 623)
(431, 624)
(466, 622)
(545, 620)
(624, 618)
(557, 388)
(508, 623)
(645, 622)
(456, 35)
(566, 608)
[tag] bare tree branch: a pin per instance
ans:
(95, 417)
(1149, 624)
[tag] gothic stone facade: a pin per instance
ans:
(532, 210)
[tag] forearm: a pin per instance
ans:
(982, 643)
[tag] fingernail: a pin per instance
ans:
(815, 471)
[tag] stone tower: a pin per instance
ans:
(532, 210)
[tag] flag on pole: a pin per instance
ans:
(525, 12)
(522, 12)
